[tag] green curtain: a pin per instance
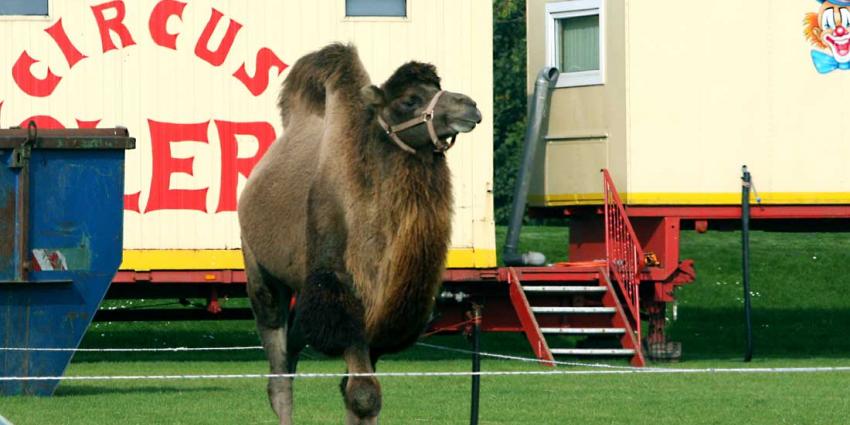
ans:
(579, 43)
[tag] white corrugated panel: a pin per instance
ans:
(198, 125)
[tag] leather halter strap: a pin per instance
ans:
(427, 118)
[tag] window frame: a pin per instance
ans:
(376, 18)
(46, 17)
(574, 9)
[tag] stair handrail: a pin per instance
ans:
(623, 252)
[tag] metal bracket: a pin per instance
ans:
(20, 156)
(22, 153)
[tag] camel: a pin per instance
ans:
(350, 210)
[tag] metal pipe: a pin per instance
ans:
(538, 122)
(476, 363)
(745, 245)
(21, 160)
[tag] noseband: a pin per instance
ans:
(426, 118)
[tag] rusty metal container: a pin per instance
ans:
(61, 219)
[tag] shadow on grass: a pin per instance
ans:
(501, 343)
(706, 333)
(169, 335)
(195, 356)
(84, 390)
(714, 333)
(513, 344)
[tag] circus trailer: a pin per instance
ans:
(673, 98)
(197, 84)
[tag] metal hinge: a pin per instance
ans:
(22, 153)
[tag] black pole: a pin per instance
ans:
(476, 363)
(745, 244)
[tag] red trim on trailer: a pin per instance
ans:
(709, 212)
(180, 276)
(721, 212)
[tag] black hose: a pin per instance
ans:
(538, 120)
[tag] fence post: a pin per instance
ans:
(745, 246)
(476, 363)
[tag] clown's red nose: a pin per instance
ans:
(840, 31)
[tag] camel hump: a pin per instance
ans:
(335, 67)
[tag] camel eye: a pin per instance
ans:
(411, 101)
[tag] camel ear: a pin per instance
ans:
(373, 96)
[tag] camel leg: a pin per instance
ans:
(270, 303)
(295, 343)
(330, 317)
(362, 395)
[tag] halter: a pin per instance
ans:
(427, 118)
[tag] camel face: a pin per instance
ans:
(454, 113)
(413, 96)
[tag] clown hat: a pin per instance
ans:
(837, 2)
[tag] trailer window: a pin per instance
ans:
(392, 8)
(23, 7)
(575, 41)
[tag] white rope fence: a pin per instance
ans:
(135, 350)
(433, 374)
(601, 369)
(260, 347)
(528, 359)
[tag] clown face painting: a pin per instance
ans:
(829, 30)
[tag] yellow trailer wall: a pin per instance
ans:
(734, 86)
(587, 125)
(709, 86)
(141, 83)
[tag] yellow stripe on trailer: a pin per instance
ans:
(231, 259)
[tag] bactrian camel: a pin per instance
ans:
(350, 210)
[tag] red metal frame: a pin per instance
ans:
(623, 251)
(181, 277)
(656, 228)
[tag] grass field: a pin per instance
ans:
(801, 315)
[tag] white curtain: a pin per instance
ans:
(579, 43)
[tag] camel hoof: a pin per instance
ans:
(363, 398)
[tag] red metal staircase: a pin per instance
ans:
(597, 299)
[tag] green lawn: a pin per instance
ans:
(801, 312)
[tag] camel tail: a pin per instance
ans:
(334, 67)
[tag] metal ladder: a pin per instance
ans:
(576, 301)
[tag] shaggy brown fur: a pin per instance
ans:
(338, 212)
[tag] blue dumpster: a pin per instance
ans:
(61, 206)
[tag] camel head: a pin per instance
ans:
(416, 113)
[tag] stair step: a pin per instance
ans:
(565, 289)
(593, 351)
(583, 331)
(573, 309)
